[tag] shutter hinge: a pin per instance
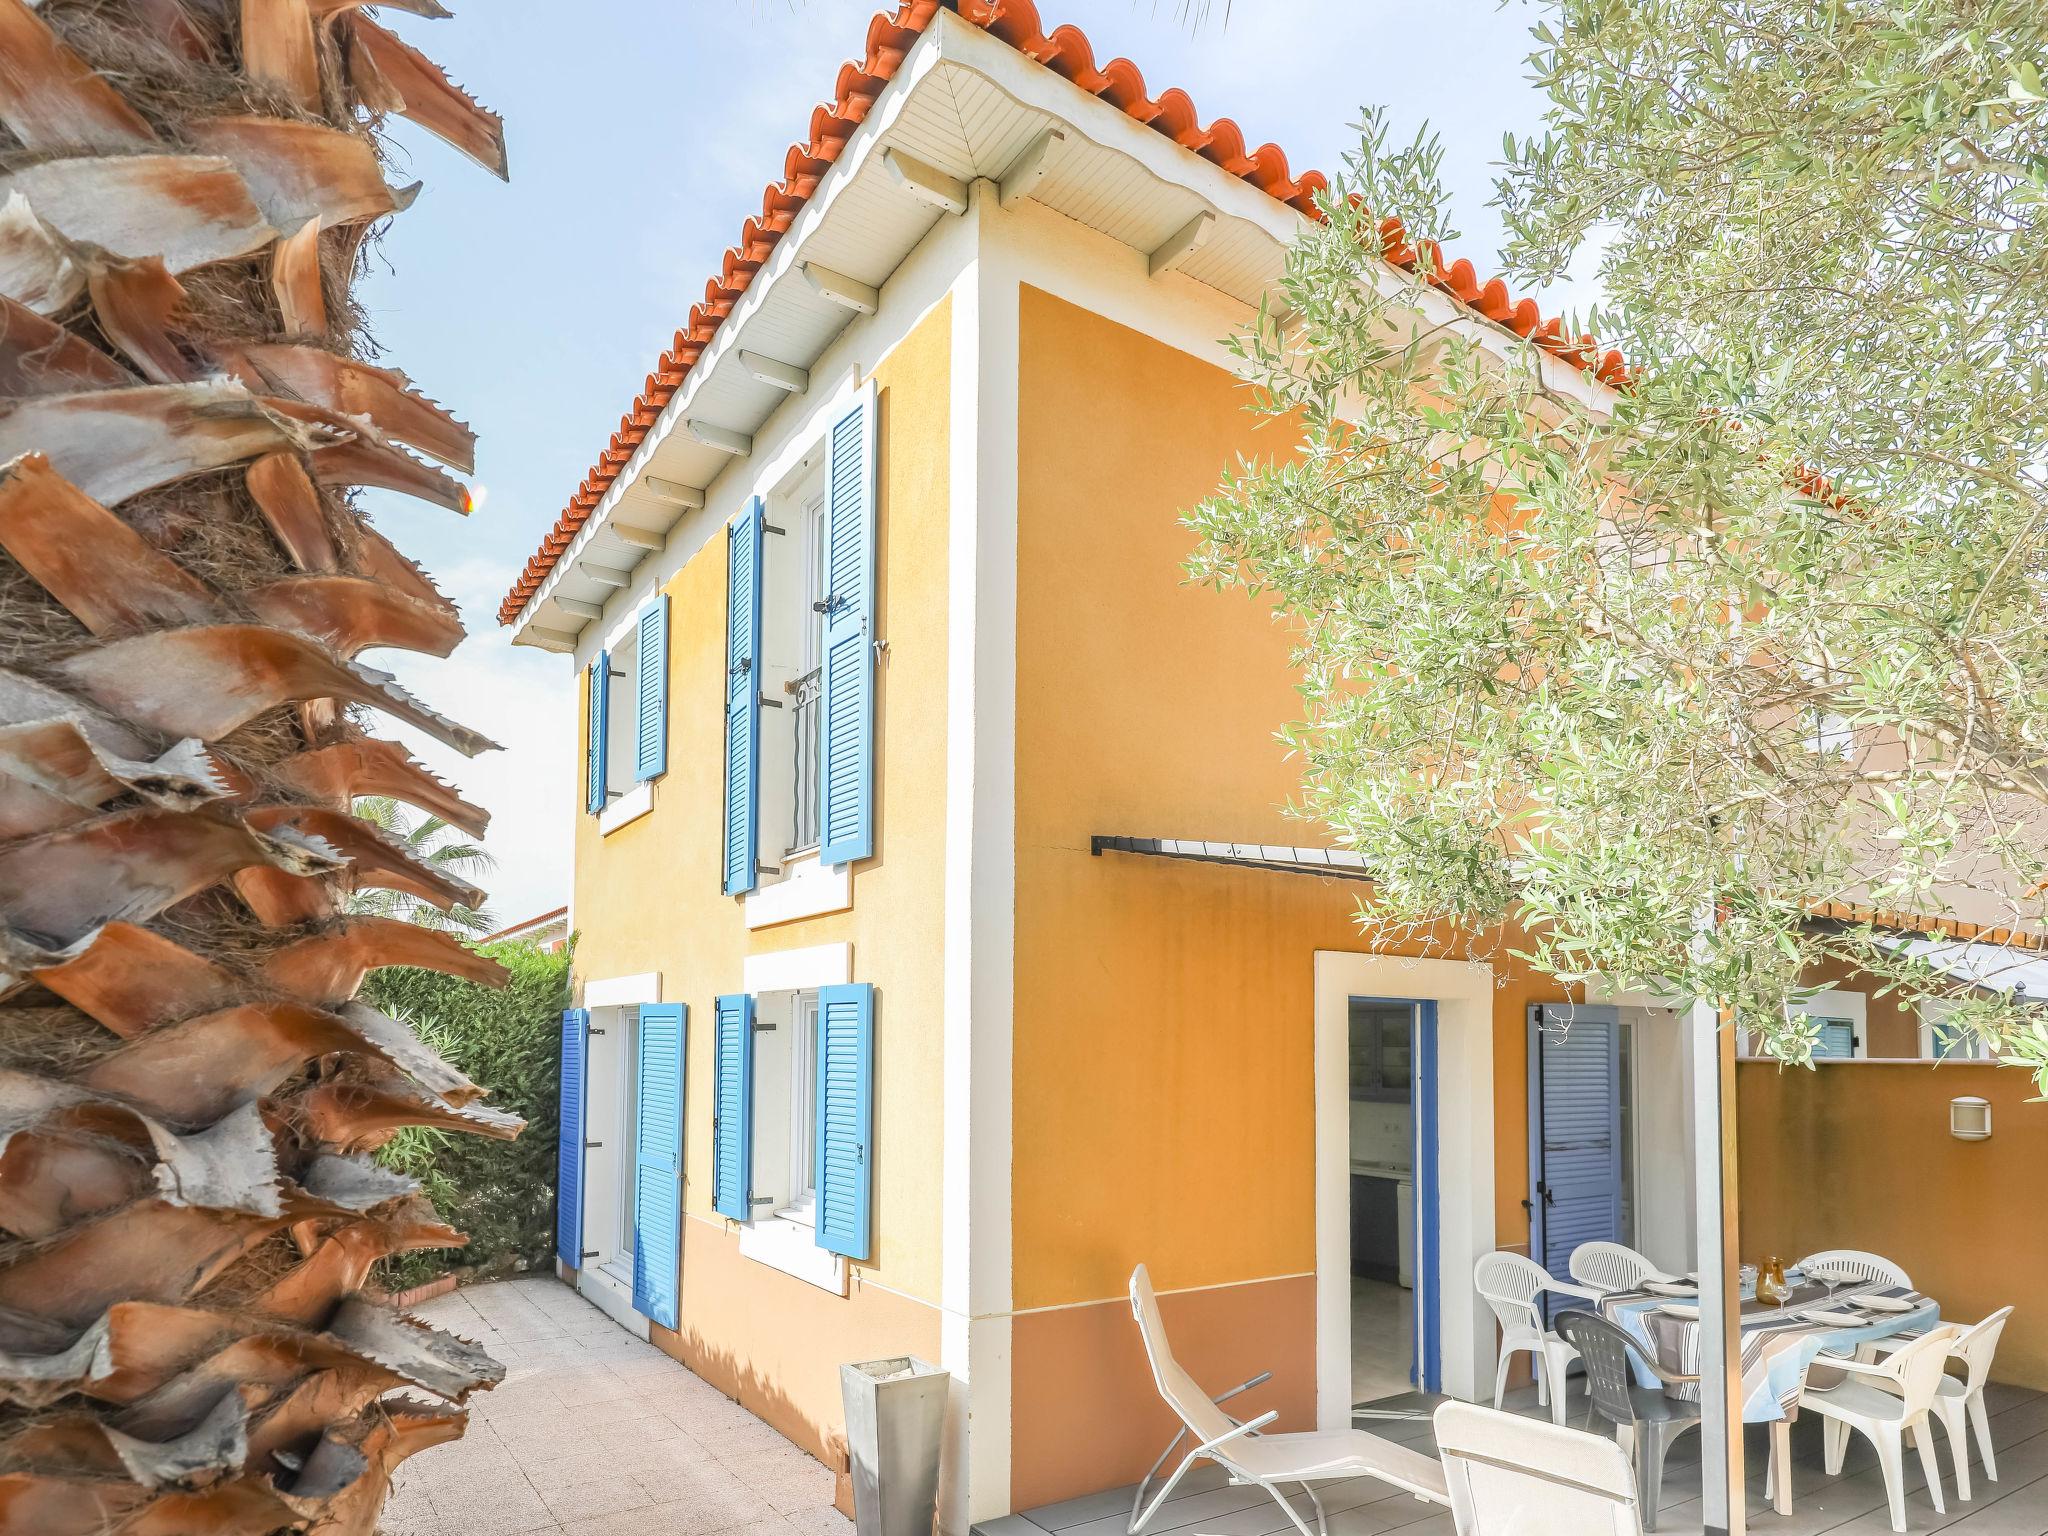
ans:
(593, 1030)
(768, 703)
(768, 527)
(754, 1200)
(589, 1144)
(764, 1026)
(591, 1253)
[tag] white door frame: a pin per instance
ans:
(1464, 995)
(614, 1299)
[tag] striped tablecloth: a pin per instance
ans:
(1778, 1343)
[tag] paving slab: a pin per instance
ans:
(596, 1433)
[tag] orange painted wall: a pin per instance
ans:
(648, 898)
(1162, 1074)
(1858, 1155)
(1223, 1335)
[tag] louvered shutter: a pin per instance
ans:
(1837, 1039)
(658, 1163)
(846, 719)
(743, 700)
(650, 744)
(569, 1147)
(594, 721)
(732, 1108)
(1578, 1091)
(846, 1094)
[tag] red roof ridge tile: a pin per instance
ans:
(1067, 51)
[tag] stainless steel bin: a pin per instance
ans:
(895, 1421)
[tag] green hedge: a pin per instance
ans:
(507, 1039)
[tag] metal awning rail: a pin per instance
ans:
(1330, 863)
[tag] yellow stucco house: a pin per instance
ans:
(943, 950)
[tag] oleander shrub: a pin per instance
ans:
(500, 1192)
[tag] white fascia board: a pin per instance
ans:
(781, 266)
(1038, 89)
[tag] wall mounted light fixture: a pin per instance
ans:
(1969, 1118)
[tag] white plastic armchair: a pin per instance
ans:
(1266, 1461)
(1882, 1402)
(1958, 1399)
(1511, 1283)
(1613, 1267)
(1867, 1267)
(1511, 1476)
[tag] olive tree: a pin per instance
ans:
(1701, 671)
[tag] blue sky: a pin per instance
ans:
(641, 133)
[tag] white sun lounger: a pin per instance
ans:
(1254, 1458)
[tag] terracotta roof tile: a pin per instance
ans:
(1067, 51)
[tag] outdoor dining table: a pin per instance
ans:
(1779, 1343)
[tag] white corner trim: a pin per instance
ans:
(797, 970)
(810, 889)
(631, 806)
(615, 991)
(792, 1247)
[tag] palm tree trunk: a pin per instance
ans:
(190, 1218)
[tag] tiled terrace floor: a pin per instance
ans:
(2015, 1505)
(596, 1433)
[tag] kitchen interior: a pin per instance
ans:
(1382, 1198)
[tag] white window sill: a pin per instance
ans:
(631, 806)
(809, 889)
(792, 1247)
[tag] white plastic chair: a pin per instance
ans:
(1510, 1284)
(1865, 1267)
(1958, 1398)
(1266, 1461)
(1511, 1476)
(1884, 1402)
(1613, 1267)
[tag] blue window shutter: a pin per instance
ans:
(650, 744)
(658, 1163)
(569, 1149)
(743, 700)
(846, 717)
(732, 1108)
(1576, 1054)
(595, 719)
(846, 1116)
(1837, 1039)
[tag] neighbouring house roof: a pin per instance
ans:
(1067, 51)
(558, 918)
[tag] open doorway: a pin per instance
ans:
(611, 1105)
(1393, 1169)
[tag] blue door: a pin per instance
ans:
(1574, 1130)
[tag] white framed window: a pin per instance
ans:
(1938, 1043)
(783, 1232)
(785, 1103)
(1843, 1019)
(627, 797)
(794, 586)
